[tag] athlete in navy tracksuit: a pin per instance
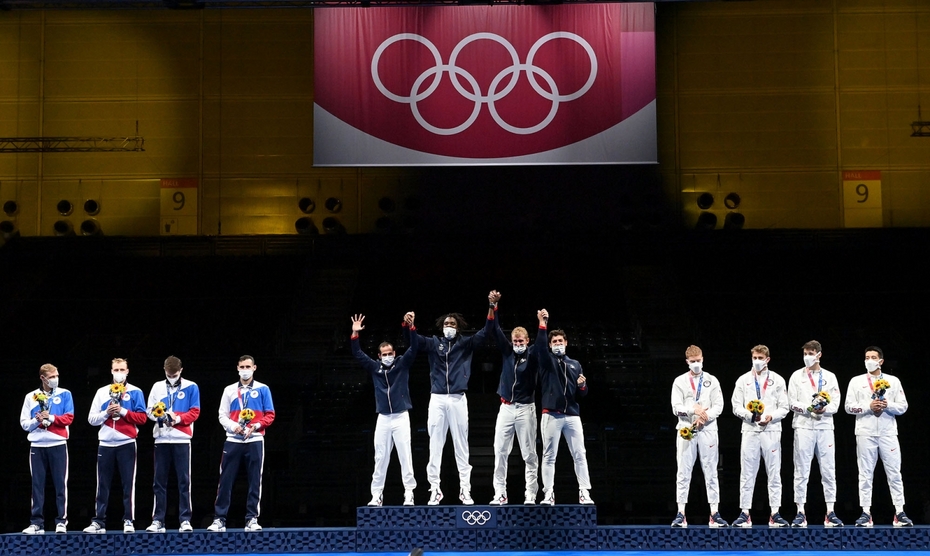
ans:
(450, 367)
(46, 414)
(517, 414)
(392, 400)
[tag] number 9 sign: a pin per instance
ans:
(862, 198)
(179, 206)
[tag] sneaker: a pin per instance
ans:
(800, 520)
(717, 521)
(61, 527)
(776, 520)
(435, 496)
(584, 497)
(680, 521)
(252, 526)
(218, 526)
(743, 520)
(830, 520)
(408, 498)
(128, 527)
(901, 520)
(155, 527)
(530, 499)
(185, 527)
(376, 500)
(548, 499)
(865, 520)
(500, 498)
(95, 527)
(34, 529)
(465, 497)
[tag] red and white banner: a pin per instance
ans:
(513, 84)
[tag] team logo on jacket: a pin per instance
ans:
(126, 397)
(254, 394)
(180, 395)
(56, 400)
(707, 384)
(441, 347)
(771, 382)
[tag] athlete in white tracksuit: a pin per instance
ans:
(877, 433)
(813, 430)
(697, 401)
(761, 434)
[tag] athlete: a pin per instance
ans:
(174, 405)
(118, 409)
(697, 401)
(450, 368)
(813, 430)
(875, 406)
(390, 376)
(761, 434)
(562, 382)
(517, 414)
(246, 410)
(47, 412)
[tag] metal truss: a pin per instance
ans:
(71, 144)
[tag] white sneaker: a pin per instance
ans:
(128, 527)
(95, 527)
(530, 499)
(465, 497)
(408, 498)
(435, 495)
(548, 499)
(252, 526)
(61, 528)
(218, 526)
(584, 497)
(155, 527)
(34, 529)
(185, 527)
(500, 498)
(376, 500)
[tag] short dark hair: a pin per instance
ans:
(557, 332)
(459, 320)
(246, 358)
(385, 344)
(877, 349)
(814, 345)
(172, 364)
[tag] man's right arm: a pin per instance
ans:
(95, 416)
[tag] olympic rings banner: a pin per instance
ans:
(506, 84)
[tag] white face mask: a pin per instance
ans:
(52, 383)
(449, 332)
(558, 350)
(810, 360)
(696, 367)
(119, 378)
(387, 360)
(871, 365)
(758, 365)
(519, 349)
(245, 375)
(172, 380)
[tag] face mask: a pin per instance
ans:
(871, 365)
(449, 332)
(809, 360)
(558, 350)
(52, 383)
(519, 349)
(696, 367)
(245, 375)
(758, 365)
(172, 380)
(119, 378)
(387, 360)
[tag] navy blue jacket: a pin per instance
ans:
(392, 395)
(559, 378)
(450, 361)
(518, 374)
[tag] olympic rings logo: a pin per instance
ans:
(473, 93)
(476, 517)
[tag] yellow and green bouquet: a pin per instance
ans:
(117, 389)
(879, 388)
(820, 400)
(686, 432)
(757, 408)
(245, 417)
(42, 399)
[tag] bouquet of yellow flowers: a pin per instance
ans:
(879, 388)
(117, 389)
(820, 400)
(757, 408)
(686, 432)
(160, 412)
(42, 399)
(246, 416)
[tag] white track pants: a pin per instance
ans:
(704, 444)
(553, 426)
(808, 444)
(448, 413)
(392, 430)
(516, 420)
(765, 445)
(868, 450)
